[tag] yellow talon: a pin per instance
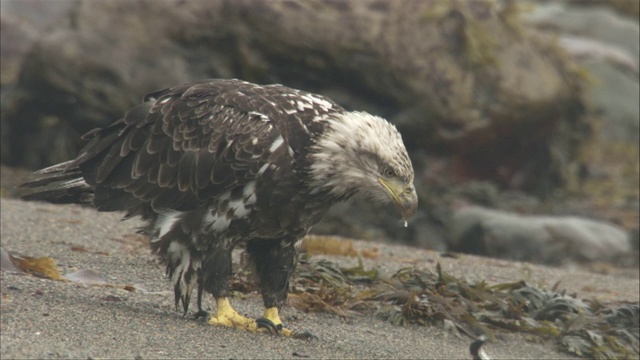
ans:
(227, 316)
(272, 314)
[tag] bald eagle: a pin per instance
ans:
(216, 163)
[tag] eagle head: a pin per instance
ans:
(359, 154)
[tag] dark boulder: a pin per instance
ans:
(472, 89)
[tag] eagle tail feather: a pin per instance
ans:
(55, 169)
(59, 185)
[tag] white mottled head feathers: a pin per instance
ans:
(355, 151)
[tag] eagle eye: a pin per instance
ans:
(388, 172)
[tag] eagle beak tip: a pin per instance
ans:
(404, 196)
(408, 204)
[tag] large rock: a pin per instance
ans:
(546, 239)
(606, 44)
(458, 77)
(467, 84)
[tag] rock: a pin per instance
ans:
(608, 46)
(463, 78)
(477, 93)
(545, 239)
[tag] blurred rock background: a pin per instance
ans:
(515, 112)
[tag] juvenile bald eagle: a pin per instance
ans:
(215, 163)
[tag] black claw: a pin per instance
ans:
(201, 315)
(269, 325)
(305, 336)
(276, 329)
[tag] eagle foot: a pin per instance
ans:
(270, 321)
(233, 320)
(226, 316)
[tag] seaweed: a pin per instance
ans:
(585, 328)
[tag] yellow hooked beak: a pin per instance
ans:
(403, 195)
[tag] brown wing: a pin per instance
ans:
(186, 145)
(177, 150)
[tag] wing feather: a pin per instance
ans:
(186, 145)
(167, 175)
(110, 161)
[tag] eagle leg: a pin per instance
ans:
(217, 270)
(274, 262)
